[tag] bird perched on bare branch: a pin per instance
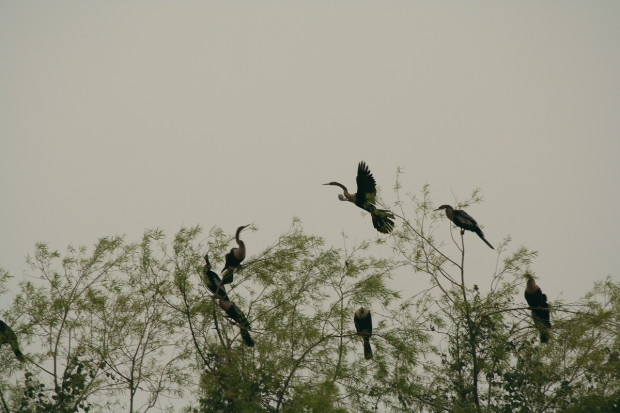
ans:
(7, 336)
(463, 220)
(365, 198)
(539, 306)
(234, 257)
(363, 326)
(236, 314)
(213, 281)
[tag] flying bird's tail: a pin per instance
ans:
(367, 348)
(382, 220)
(481, 235)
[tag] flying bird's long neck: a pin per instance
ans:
(347, 195)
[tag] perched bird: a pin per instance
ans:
(365, 198)
(363, 325)
(234, 257)
(539, 306)
(463, 220)
(236, 314)
(7, 336)
(212, 280)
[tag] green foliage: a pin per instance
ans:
(314, 399)
(131, 326)
(67, 396)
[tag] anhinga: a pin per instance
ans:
(212, 281)
(234, 257)
(365, 198)
(7, 336)
(236, 314)
(539, 306)
(463, 220)
(363, 325)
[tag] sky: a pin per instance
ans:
(120, 116)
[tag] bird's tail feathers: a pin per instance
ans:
(19, 355)
(247, 338)
(481, 235)
(367, 349)
(382, 220)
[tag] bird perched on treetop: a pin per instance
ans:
(7, 336)
(463, 220)
(212, 280)
(234, 257)
(365, 198)
(363, 326)
(539, 306)
(236, 314)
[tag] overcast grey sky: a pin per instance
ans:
(119, 116)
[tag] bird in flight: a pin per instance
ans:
(365, 198)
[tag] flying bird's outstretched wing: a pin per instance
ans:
(365, 199)
(366, 187)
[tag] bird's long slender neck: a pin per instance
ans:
(347, 195)
(240, 250)
(531, 285)
(239, 242)
(450, 213)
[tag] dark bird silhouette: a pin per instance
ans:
(7, 336)
(213, 281)
(234, 257)
(365, 198)
(539, 306)
(363, 325)
(463, 220)
(236, 314)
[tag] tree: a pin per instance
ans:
(486, 341)
(132, 327)
(95, 321)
